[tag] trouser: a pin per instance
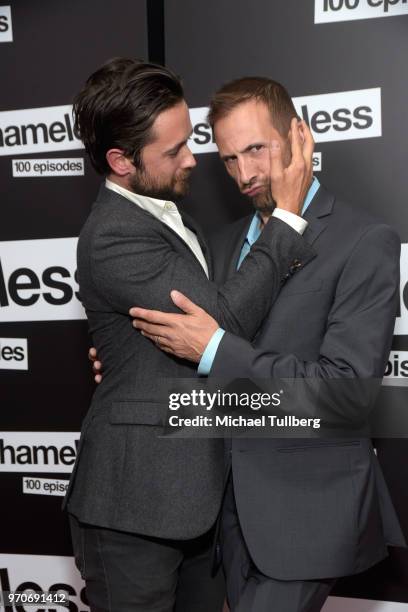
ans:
(248, 590)
(127, 572)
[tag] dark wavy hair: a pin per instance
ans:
(118, 106)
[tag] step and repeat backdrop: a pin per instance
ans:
(343, 62)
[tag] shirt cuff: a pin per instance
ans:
(296, 222)
(208, 356)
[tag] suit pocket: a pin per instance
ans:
(138, 412)
(317, 445)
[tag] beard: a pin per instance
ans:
(143, 183)
(264, 202)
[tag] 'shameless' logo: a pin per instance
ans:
(38, 280)
(13, 354)
(43, 575)
(346, 115)
(35, 130)
(6, 30)
(327, 11)
(42, 451)
(401, 323)
(338, 116)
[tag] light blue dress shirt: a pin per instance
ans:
(253, 234)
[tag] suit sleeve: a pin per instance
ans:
(141, 268)
(359, 326)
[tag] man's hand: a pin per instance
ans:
(184, 335)
(96, 364)
(290, 185)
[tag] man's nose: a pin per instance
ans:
(247, 174)
(189, 159)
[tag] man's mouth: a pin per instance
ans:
(253, 191)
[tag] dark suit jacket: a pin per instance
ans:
(126, 477)
(315, 508)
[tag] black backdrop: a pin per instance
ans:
(54, 47)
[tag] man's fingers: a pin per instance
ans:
(151, 328)
(96, 366)
(162, 345)
(308, 144)
(153, 316)
(92, 353)
(98, 378)
(276, 162)
(183, 302)
(296, 142)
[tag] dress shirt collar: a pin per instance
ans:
(154, 206)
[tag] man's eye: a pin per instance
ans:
(256, 148)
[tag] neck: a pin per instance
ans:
(119, 180)
(264, 218)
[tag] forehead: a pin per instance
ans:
(172, 125)
(247, 123)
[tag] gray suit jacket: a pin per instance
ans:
(126, 477)
(315, 508)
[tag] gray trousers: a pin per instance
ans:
(248, 590)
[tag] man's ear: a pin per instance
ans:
(118, 163)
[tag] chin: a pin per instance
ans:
(264, 206)
(181, 191)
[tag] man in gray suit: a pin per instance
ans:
(142, 507)
(297, 514)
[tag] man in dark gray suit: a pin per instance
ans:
(142, 507)
(297, 514)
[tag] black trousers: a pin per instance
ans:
(126, 572)
(248, 590)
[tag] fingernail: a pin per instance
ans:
(275, 144)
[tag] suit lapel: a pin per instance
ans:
(318, 214)
(193, 226)
(235, 246)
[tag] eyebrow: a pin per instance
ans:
(178, 146)
(253, 144)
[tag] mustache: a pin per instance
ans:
(248, 186)
(185, 175)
